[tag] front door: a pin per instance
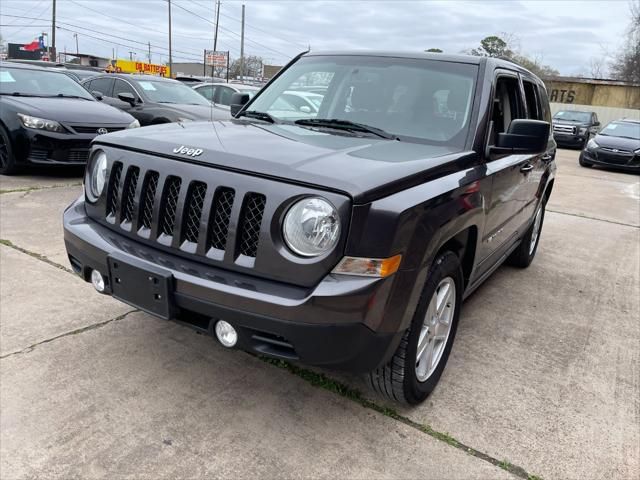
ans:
(510, 175)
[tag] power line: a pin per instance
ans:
(232, 32)
(111, 35)
(247, 25)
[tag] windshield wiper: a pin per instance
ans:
(345, 125)
(19, 94)
(258, 115)
(164, 101)
(62, 95)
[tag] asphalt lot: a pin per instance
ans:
(544, 377)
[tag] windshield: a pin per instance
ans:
(622, 129)
(41, 83)
(571, 116)
(171, 92)
(413, 99)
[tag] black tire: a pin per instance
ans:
(7, 159)
(583, 162)
(398, 379)
(522, 256)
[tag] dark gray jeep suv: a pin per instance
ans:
(344, 238)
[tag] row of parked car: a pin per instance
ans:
(51, 115)
(617, 144)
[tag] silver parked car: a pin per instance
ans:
(220, 93)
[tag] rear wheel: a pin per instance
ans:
(7, 159)
(522, 256)
(419, 361)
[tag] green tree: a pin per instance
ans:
(434, 50)
(492, 46)
(252, 67)
(626, 64)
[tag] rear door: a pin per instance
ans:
(509, 173)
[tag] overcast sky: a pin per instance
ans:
(566, 34)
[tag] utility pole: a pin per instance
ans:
(170, 52)
(242, 48)
(77, 49)
(215, 36)
(52, 53)
(149, 52)
(130, 55)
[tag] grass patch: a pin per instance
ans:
(31, 189)
(320, 380)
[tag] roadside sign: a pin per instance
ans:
(131, 66)
(215, 59)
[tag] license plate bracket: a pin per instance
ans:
(141, 285)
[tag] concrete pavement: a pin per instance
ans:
(543, 375)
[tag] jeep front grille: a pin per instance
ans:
(191, 215)
(219, 222)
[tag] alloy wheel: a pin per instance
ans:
(435, 329)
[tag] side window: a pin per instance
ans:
(102, 85)
(532, 100)
(224, 97)
(507, 105)
(595, 118)
(87, 85)
(544, 104)
(120, 86)
(207, 92)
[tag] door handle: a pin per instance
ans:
(547, 157)
(526, 168)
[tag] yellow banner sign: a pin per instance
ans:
(129, 66)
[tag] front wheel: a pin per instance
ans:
(419, 361)
(7, 159)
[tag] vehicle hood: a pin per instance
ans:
(620, 143)
(362, 167)
(184, 110)
(68, 110)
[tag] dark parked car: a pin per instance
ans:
(80, 75)
(617, 145)
(347, 240)
(151, 100)
(572, 128)
(48, 118)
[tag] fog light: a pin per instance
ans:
(226, 334)
(97, 280)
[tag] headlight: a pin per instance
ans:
(134, 124)
(583, 130)
(97, 174)
(40, 123)
(591, 145)
(311, 227)
(637, 151)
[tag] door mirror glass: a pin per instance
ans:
(524, 137)
(97, 95)
(305, 109)
(596, 123)
(127, 97)
(238, 100)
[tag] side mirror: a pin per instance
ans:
(97, 95)
(305, 109)
(524, 137)
(596, 123)
(127, 97)
(238, 100)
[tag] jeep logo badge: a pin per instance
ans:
(102, 131)
(192, 152)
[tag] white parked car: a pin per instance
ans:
(220, 93)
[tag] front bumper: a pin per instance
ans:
(337, 324)
(50, 148)
(623, 162)
(570, 140)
